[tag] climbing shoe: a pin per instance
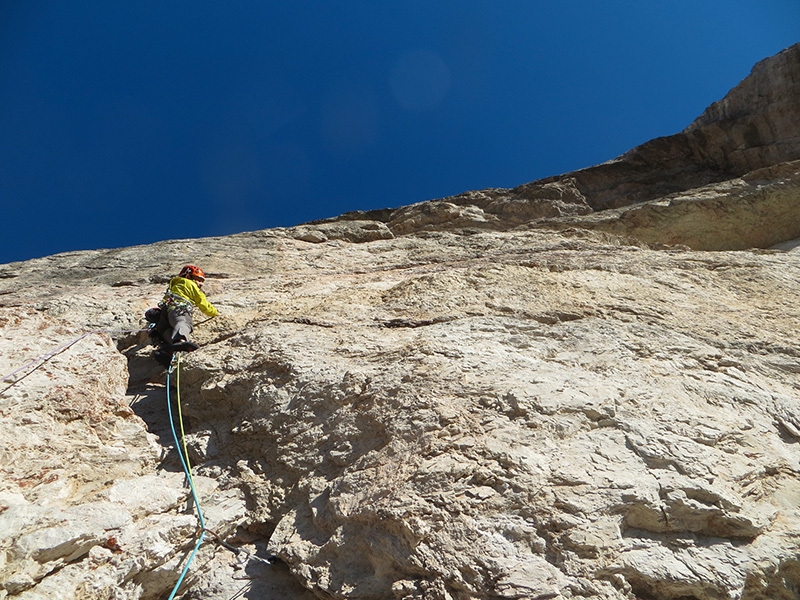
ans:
(184, 347)
(163, 358)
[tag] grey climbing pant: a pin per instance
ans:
(180, 320)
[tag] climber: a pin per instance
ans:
(182, 295)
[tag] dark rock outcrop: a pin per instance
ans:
(755, 126)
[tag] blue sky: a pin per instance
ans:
(129, 123)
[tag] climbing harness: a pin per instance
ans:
(173, 299)
(180, 304)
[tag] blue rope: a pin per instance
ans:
(189, 478)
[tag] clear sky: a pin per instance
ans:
(126, 123)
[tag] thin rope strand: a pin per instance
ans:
(186, 470)
(61, 348)
(180, 421)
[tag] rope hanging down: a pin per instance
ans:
(184, 456)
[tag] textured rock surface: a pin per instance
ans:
(758, 210)
(529, 414)
(485, 396)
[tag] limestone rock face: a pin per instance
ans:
(512, 415)
(492, 209)
(503, 394)
(756, 124)
(758, 210)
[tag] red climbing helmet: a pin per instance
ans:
(192, 272)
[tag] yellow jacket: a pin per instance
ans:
(188, 289)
